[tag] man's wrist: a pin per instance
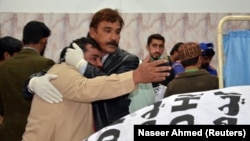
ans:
(30, 84)
(136, 77)
(31, 79)
(80, 63)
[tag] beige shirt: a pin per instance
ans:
(72, 120)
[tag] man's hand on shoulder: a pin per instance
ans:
(44, 89)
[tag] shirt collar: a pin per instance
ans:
(104, 58)
(31, 48)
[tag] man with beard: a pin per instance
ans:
(206, 57)
(105, 28)
(193, 79)
(13, 74)
(47, 122)
(156, 47)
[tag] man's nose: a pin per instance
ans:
(113, 36)
(158, 49)
(99, 64)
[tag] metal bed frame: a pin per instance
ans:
(220, 44)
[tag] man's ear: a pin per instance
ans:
(92, 32)
(43, 41)
(200, 59)
(6, 55)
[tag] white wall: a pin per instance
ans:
(90, 6)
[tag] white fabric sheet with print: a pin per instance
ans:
(216, 107)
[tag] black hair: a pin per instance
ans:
(190, 62)
(9, 44)
(81, 42)
(155, 36)
(208, 52)
(62, 55)
(34, 31)
(106, 14)
(93, 40)
(175, 47)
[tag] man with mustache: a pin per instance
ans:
(156, 47)
(105, 28)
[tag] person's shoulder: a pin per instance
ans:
(125, 53)
(44, 59)
(49, 60)
(210, 76)
(61, 67)
(3, 68)
(122, 51)
(9, 62)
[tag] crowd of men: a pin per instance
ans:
(90, 87)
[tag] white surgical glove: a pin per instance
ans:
(44, 89)
(75, 57)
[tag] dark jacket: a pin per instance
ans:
(13, 74)
(107, 111)
(26, 93)
(196, 81)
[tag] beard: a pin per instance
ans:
(156, 56)
(204, 66)
(42, 52)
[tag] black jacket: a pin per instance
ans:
(105, 112)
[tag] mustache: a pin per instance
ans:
(157, 53)
(113, 43)
(205, 65)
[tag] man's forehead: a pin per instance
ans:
(89, 46)
(156, 41)
(111, 25)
